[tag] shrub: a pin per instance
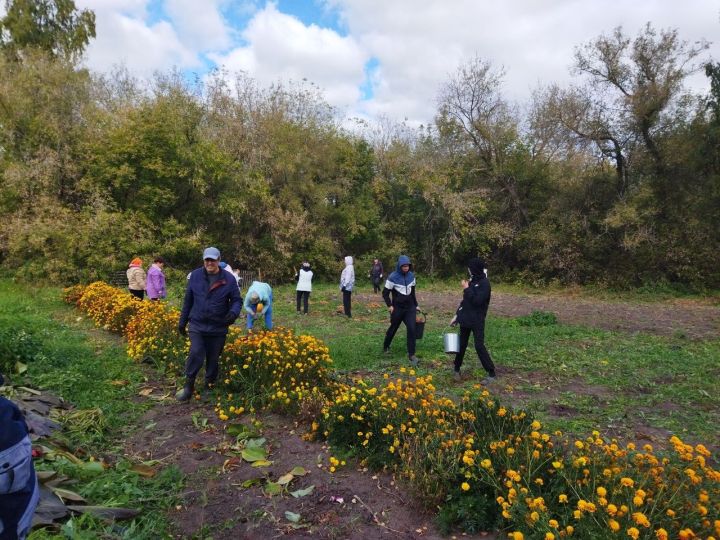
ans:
(538, 318)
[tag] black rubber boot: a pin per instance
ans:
(187, 390)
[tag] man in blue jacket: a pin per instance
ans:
(399, 296)
(211, 305)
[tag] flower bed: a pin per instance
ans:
(485, 465)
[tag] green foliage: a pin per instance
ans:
(469, 514)
(52, 26)
(537, 318)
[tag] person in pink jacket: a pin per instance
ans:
(156, 280)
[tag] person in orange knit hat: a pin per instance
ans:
(136, 278)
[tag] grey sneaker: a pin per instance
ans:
(488, 380)
(414, 361)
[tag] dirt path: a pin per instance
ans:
(688, 318)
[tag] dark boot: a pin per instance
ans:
(187, 390)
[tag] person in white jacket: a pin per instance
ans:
(304, 286)
(347, 281)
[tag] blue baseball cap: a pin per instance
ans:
(211, 253)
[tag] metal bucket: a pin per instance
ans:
(451, 343)
(420, 324)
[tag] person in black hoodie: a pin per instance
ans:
(470, 316)
(403, 306)
(19, 491)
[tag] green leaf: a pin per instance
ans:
(298, 471)
(292, 516)
(67, 495)
(262, 463)
(254, 454)
(271, 488)
(302, 492)
(251, 482)
(254, 443)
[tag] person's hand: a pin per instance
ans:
(182, 330)
(465, 283)
(229, 318)
(453, 321)
(391, 308)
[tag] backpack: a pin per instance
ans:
(19, 492)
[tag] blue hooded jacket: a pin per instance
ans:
(210, 309)
(400, 286)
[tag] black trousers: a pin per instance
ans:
(483, 354)
(137, 294)
(376, 285)
(402, 315)
(204, 348)
(347, 297)
(303, 296)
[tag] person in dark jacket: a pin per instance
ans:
(470, 316)
(19, 491)
(211, 305)
(376, 274)
(399, 296)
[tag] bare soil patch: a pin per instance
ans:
(352, 503)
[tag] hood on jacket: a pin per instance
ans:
(348, 260)
(137, 261)
(403, 259)
(476, 266)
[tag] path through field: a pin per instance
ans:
(690, 318)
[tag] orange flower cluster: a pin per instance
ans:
(545, 485)
(275, 369)
(149, 327)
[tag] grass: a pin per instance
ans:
(578, 378)
(65, 355)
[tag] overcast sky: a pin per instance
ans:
(373, 57)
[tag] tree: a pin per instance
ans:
(53, 26)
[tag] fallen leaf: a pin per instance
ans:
(106, 512)
(67, 495)
(271, 488)
(285, 479)
(120, 382)
(298, 471)
(302, 492)
(292, 516)
(255, 443)
(143, 470)
(145, 392)
(250, 483)
(262, 463)
(254, 454)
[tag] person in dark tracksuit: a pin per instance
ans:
(470, 316)
(19, 491)
(399, 296)
(212, 303)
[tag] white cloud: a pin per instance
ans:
(280, 47)
(200, 25)
(124, 36)
(419, 45)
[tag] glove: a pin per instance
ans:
(182, 330)
(230, 318)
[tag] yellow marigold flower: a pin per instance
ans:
(638, 501)
(562, 498)
(569, 530)
(534, 516)
(553, 523)
(549, 536)
(601, 491)
(502, 411)
(557, 464)
(577, 514)
(627, 482)
(633, 533)
(641, 519)
(486, 464)
(670, 512)
(535, 425)
(465, 486)
(579, 445)
(614, 525)
(661, 534)
(517, 535)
